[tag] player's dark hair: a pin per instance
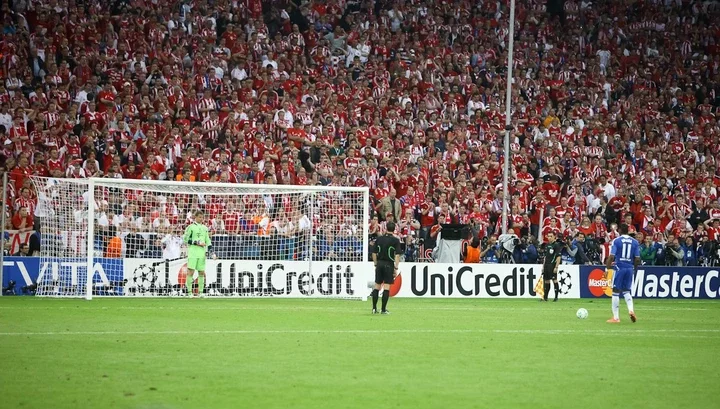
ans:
(623, 228)
(199, 213)
(390, 227)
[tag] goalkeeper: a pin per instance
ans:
(198, 243)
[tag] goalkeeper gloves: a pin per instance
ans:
(211, 253)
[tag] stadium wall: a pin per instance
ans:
(151, 277)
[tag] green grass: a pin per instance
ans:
(280, 353)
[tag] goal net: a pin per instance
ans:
(267, 240)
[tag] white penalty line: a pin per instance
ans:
(221, 299)
(194, 307)
(635, 332)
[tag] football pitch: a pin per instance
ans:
(282, 353)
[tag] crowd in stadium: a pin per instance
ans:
(614, 108)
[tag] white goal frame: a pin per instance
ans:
(213, 188)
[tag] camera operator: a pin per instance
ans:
(574, 251)
(567, 251)
(526, 252)
(506, 245)
(689, 249)
(674, 254)
(708, 252)
(594, 248)
(489, 253)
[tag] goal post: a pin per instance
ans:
(90, 241)
(267, 240)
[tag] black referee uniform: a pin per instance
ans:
(385, 248)
(552, 252)
(385, 254)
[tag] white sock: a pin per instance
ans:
(629, 301)
(616, 306)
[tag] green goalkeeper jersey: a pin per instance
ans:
(196, 232)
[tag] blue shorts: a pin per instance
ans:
(622, 280)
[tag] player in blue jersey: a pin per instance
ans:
(625, 254)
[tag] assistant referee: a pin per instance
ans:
(386, 261)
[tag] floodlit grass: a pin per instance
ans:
(280, 353)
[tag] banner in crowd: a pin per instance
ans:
(17, 238)
(442, 280)
(656, 282)
(73, 240)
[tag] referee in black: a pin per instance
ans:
(553, 257)
(387, 260)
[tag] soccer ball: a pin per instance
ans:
(582, 313)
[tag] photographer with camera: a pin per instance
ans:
(674, 254)
(568, 251)
(689, 248)
(581, 257)
(573, 251)
(489, 253)
(527, 252)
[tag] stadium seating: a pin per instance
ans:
(614, 107)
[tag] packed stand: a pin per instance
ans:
(613, 108)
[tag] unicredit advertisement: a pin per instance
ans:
(442, 280)
(656, 282)
(251, 278)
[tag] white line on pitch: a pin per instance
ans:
(636, 332)
(194, 307)
(321, 299)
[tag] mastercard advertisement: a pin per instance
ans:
(655, 282)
